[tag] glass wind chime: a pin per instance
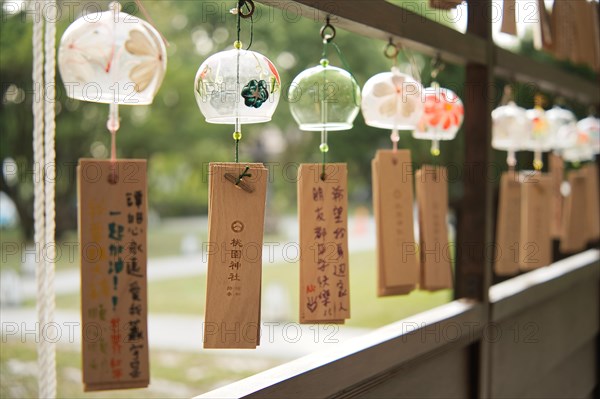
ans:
(324, 98)
(540, 138)
(236, 87)
(392, 100)
(114, 58)
(443, 113)
(510, 127)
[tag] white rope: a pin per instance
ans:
(38, 184)
(48, 372)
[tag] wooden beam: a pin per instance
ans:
(382, 20)
(546, 77)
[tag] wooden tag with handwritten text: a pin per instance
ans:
(508, 226)
(431, 184)
(575, 215)
(112, 235)
(592, 201)
(536, 200)
(323, 220)
(397, 262)
(235, 239)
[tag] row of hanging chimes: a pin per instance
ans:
(324, 98)
(124, 58)
(536, 207)
(237, 191)
(394, 100)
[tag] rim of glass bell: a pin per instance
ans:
(104, 58)
(329, 125)
(223, 101)
(392, 121)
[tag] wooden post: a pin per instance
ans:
(474, 230)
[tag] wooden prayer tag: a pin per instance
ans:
(236, 220)
(397, 263)
(509, 20)
(112, 235)
(536, 200)
(323, 220)
(592, 201)
(556, 171)
(432, 197)
(506, 260)
(575, 216)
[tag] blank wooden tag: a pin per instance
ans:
(556, 167)
(509, 20)
(506, 262)
(397, 266)
(536, 243)
(112, 236)
(431, 183)
(575, 216)
(542, 39)
(235, 240)
(323, 220)
(592, 201)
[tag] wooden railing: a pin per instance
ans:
(541, 338)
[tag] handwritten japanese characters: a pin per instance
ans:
(397, 262)
(112, 234)
(431, 184)
(323, 219)
(236, 224)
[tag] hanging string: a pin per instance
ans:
(151, 21)
(38, 195)
(50, 186)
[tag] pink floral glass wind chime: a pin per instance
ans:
(113, 58)
(393, 100)
(236, 87)
(442, 118)
(324, 98)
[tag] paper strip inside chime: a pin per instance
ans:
(113, 220)
(431, 184)
(397, 262)
(323, 220)
(235, 238)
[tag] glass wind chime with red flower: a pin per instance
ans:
(442, 118)
(443, 113)
(236, 87)
(116, 58)
(392, 100)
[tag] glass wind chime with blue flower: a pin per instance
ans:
(236, 87)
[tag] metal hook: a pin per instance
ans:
(437, 66)
(391, 50)
(327, 37)
(249, 5)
